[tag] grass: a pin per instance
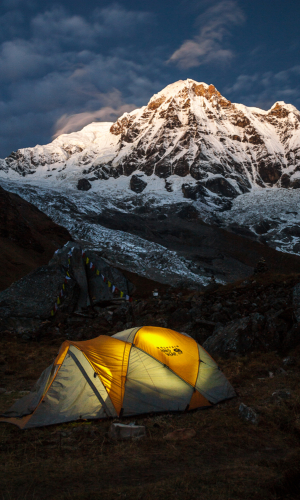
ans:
(228, 459)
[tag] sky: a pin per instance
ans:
(66, 64)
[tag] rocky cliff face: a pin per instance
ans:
(28, 238)
(188, 130)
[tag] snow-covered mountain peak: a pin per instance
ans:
(188, 135)
(188, 146)
(282, 104)
(183, 90)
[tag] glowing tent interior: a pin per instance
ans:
(141, 370)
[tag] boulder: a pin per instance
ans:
(83, 185)
(137, 184)
(29, 301)
(222, 187)
(79, 274)
(99, 289)
(296, 302)
(237, 337)
(194, 191)
(248, 414)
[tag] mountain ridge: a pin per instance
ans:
(190, 150)
(188, 128)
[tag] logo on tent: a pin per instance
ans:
(172, 350)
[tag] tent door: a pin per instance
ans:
(98, 395)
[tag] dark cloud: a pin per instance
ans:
(61, 68)
(61, 78)
(264, 89)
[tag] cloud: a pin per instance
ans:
(57, 74)
(77, 31)
(115, 20)
(215, 26)
(264, 89)
(72, 123)
(112, 106)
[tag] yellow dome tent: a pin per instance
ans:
(141, 370)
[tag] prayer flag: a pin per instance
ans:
(87, 260)
(113, 288)
(121, 294)
(127, 297)
(98, 272)
(109, 284)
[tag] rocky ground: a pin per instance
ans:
(247, 447)
(231, 454)
(261, 313)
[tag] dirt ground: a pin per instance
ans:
(229, 458)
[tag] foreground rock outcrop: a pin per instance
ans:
(67, 285)
(257, 315)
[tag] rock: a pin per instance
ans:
(270, 172)
(237, 337)
(221, 186)
(297, 424)
(194, 191)
(292, 338)
(180, 435)
(83, 185)
(248, 414)
(32, 298)
(26, 337)
(137, 184)
(289, 361)
(188, 212)
(281, 394)
(209, 325)
(79, 273)
(120, 432)
(2, 390)
(27, 303)
(28, 238)
(97, 288)
(261, 267)
(296, 302)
